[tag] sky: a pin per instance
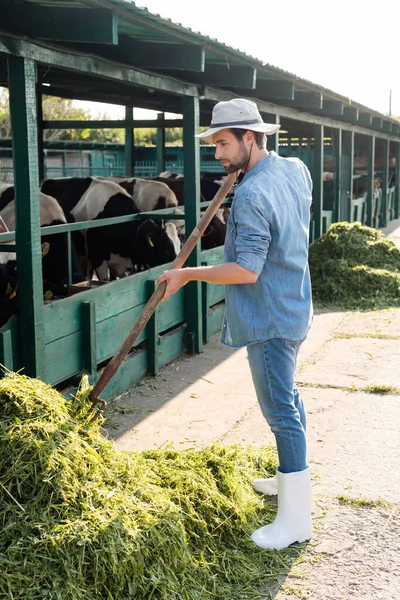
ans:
(342, 45)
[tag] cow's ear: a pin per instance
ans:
(150, 240)
(45, 249)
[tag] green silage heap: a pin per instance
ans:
(354, 266)
(83, 521)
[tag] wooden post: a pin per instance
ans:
(347, 175)
(337, 190)
(191, 163)
(397, 190)
(318, 163)
(129, 144)
(153, 339)
(370, 181)
(383, 221)
(39, 107)
(6, 353)
(21, 77)
(160, 144)
(89, 349)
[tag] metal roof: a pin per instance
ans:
(118, 35)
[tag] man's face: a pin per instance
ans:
(232, 154)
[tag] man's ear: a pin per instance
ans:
(45, 248)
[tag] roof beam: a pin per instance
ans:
(350, 113)
(365, 119)
(149, 55)
(94, 66)
(275, 89)
(153, 55)
(332, 107)
(306, 100)
(377, 122)
(230, 76)
(113, 124)
(60, 23)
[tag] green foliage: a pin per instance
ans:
(355, 267)
(59, 109)
(82, 521)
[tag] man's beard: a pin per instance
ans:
(241, 163)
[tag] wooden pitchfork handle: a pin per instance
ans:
(122, 352)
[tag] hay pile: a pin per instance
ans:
(354, 266)
(82, 521)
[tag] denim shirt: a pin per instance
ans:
(267, 233)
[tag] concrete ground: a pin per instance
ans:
(348, 359)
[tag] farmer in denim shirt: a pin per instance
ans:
(268, 297)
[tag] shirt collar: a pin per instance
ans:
(265, 162)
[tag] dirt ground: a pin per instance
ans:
(353, 431)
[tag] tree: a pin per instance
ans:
(61, 109)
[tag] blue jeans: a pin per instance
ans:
(273, 367)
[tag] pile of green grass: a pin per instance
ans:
(83, 521)
(354, 266)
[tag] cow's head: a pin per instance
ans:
(155, 245)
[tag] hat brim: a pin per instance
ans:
(267, 128)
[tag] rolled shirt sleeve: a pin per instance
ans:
(253, 235)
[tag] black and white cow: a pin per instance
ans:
(147, 194)
(54, 246)
(116, 248)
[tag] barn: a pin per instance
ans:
(113, 51)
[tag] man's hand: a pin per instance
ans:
(175, 278)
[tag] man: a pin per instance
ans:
(268, 297)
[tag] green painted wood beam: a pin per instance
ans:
(377, 122)
(365, 119)
(153, 338)
(149, 55)
(114, 124)
(347, 175)
(94, 66)
(6, 350)
(234, 76)
(397, 190)
(153, 55)
(305, 100)
(129, 148)
(370, 180)
(39, 108)
(383, 220)
(89, 350)
(337, 153)
(318, 134)
(160, 144)
(22, 82)
(272, 88)
(59, 23)
(350, 113)
(332, 107)
(191, 172)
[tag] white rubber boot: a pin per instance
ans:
(269, 487)
(293, 520)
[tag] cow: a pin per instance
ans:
(54, 246)
(134, 245)
(210, 183)
(147, 194)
